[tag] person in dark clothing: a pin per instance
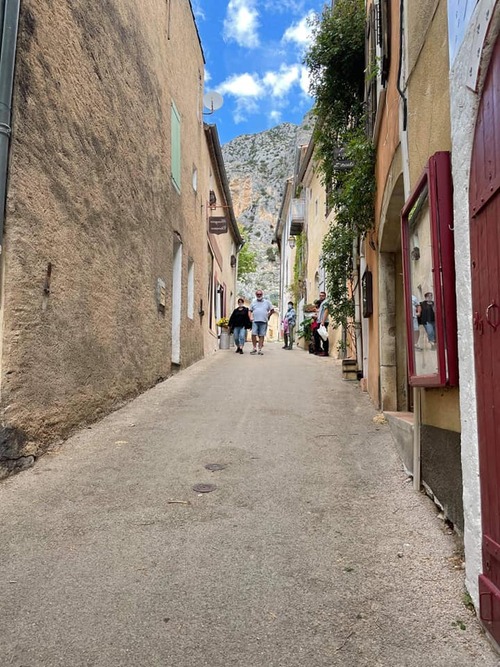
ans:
(239, 322)
(427, 317)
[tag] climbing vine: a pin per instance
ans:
(345, 156)
(298, 268)
(247, 258)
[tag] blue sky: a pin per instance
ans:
(254, 51)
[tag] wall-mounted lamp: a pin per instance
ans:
(291, 242)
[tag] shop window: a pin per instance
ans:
(429, 277)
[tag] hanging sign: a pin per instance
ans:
(217, 225)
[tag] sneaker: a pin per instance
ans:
(241, 350)
(253, 352)
(260, 352)
(237, 350)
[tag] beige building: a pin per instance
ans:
(410, 126)
(223, 244)
(303, 222)
(317, 220)
(105, 285)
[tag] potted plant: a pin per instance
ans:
(304, 333)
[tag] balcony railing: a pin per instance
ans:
(297, 211)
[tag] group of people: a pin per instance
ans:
(256, 317)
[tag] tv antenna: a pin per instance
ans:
(213, 101)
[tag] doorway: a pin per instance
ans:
(176, 299)
(484, 205)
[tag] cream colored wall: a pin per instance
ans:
(429, 130)
(429, 125)
(440, 409)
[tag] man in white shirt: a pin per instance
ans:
(260, 310)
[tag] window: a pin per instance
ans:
(429, 277)
(195, 179)
(190, 289)
(378, 58)
(176, 148)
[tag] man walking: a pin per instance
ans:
(260, 310)
(322, 347)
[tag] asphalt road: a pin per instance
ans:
(313, 551)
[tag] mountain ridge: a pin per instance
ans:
(257, 167)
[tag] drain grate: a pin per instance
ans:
(215, 466)
(204, 488)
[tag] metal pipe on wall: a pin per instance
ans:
(9, 28)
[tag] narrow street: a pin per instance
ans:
(313, 550)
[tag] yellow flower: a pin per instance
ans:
(222, 322)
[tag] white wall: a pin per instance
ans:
(464, 106)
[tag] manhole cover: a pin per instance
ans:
(215, 466)
(204, 488)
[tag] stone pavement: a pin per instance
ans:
(313, 551)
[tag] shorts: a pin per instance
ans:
(259, 328)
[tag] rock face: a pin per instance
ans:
(257, 167)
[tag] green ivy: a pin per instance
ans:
(298, 268)
(247, 262)
(345, 156)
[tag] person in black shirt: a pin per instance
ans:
(239, 322)
(428, 317)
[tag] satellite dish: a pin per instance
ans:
(212, 100)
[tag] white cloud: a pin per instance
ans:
(241, 23)
(305, 81)
(300, 32)
(274, 88)
(242, 85)
(197, 9)
(208, 76)
(275, 116)
(279, 83)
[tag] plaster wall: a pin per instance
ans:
(92, 212)
(464, 107)
(428, 93)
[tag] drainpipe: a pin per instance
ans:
(9, 28)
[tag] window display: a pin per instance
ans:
(429, 277)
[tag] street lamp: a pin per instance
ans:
(291, 242)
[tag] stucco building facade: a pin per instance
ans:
(104, 262)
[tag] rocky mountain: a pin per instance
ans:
(257, 167)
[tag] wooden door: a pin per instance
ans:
(485, 262)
